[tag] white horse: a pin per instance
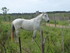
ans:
(31, 24)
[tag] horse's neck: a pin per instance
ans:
(39, 18)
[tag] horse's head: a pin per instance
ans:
(45, 17)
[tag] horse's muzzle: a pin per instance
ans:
(48, 21)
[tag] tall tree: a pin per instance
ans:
(5, 10)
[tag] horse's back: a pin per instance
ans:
(17, 22)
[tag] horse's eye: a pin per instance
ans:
(45, 15)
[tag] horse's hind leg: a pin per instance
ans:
(17, 36)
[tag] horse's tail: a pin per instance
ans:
(13, 32)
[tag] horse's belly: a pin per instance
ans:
(30, 25)
(27, 26)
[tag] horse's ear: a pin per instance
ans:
(43, 13)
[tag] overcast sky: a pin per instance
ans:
(23, 6)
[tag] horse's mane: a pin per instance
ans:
(37, 16)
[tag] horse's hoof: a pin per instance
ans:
(32, 40)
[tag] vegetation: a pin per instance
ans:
(53, 41)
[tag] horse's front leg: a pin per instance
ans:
(34, 34)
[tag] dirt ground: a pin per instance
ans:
(59, 26)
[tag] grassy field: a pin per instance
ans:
(53, 41)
